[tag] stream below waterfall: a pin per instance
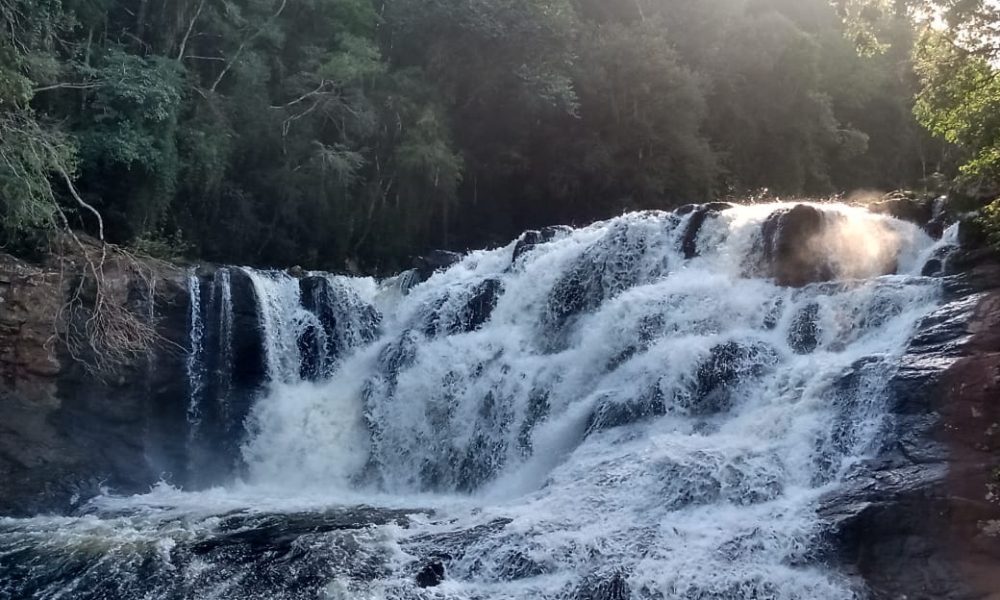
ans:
(651, 407)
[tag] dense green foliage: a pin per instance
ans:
(329, 132)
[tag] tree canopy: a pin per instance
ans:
(336, 132)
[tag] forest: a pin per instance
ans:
(353, 134)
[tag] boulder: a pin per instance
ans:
(475, 306)
(915, 210)
(800, 246)
(727, 365)
(932, 268)
(605, 586)
(531, 238)
(803, 334)
(431, 575)
(610, 412)
(480, 306)
(436, 260)
(789, 239)
(343, 319)
(699, 214)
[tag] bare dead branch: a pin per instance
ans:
(190, 28)
(319, 90)
(66, 86)
(243, 45)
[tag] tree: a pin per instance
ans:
(960, 102)
(330, 133)
(30, 151)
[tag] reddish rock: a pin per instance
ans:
(916, 211)
(922, 520)
(65, 431)
(970, 427)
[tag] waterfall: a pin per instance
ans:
(222, 286)
(649, 407)
(195, 357)
(308, 324)
(283, 321)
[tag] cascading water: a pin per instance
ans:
(195, 355)
(636, 409)
(222, 287)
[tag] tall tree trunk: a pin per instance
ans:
(140, 22)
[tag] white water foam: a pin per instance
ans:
(602, 416)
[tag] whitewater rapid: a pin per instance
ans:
(635, 409)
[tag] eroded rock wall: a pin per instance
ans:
(922, 520)
(65, 431)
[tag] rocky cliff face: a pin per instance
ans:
(922, 520)
(65, 432)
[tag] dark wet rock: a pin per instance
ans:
(480, 306)
(882, 522)
(971, 233)
(452, 547)
(398, 355)
(916, 211)
(274, 556)
(727, 366)
(518, 565)
(538, 411)
(936, 227)
(612, 412)
(605, 269)
(315, 293)
(971, 271)
(486, 454)
(751, 588)
(650, 328)
(919, 519)
(232, 373)
(527, 241)
(773, 310)
(742, 488)
(64, 431)
(249, 361)
(848, 399)
(932, 268)
(407, 280)
(338, 310)
(606, 586)
(475, 307)
(940, 340)
(235, 384)
(794, 248)
(577, 291)
(431, 575)
(317, 344)
(789, 250)
(265, 532)
(532, 238)
(803, 334)
(696, 484)
(699, 214)
(393, 358)
(310, 352)
(436, 260)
